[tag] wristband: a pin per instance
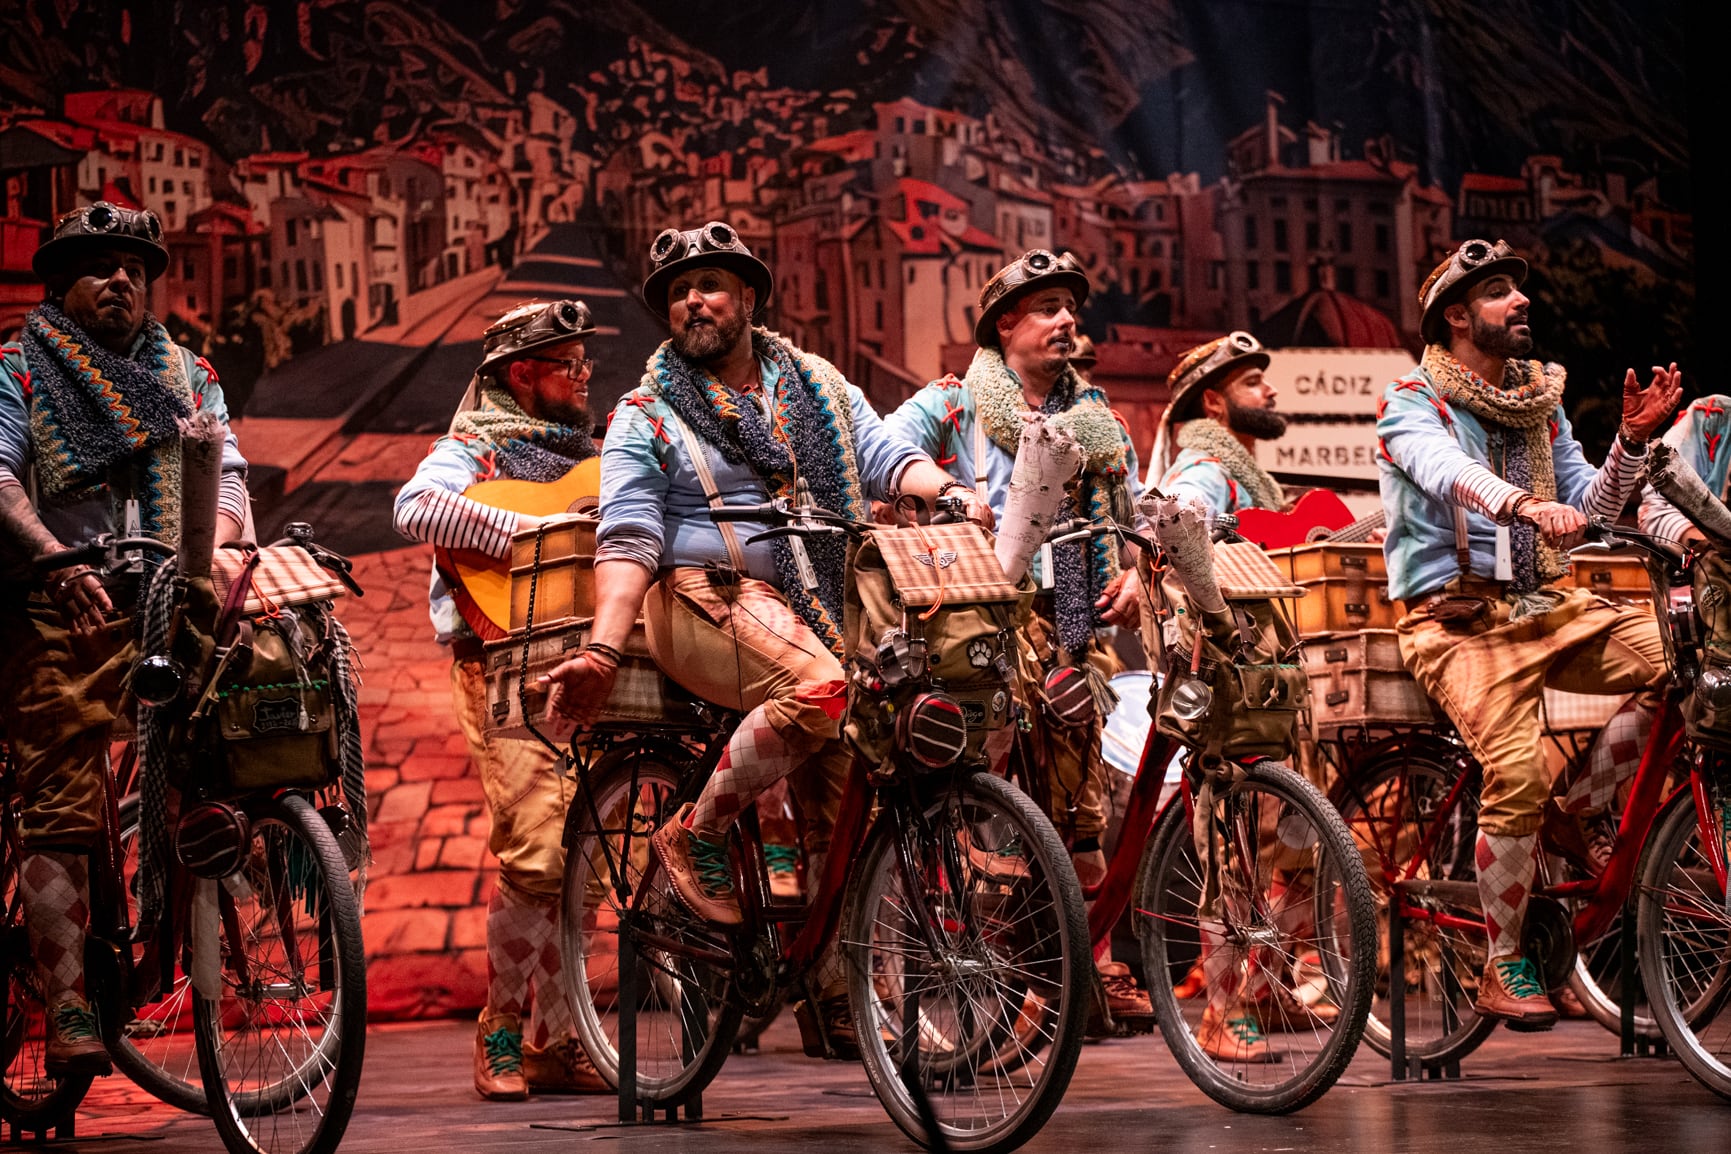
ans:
(1630, 444)
(603, 650)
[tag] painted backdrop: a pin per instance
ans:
(352, 191)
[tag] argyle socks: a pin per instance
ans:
(756, 758)
(551, 1020)
(1505, 866)
(1615, 757)
(55, 886)
(519, 929)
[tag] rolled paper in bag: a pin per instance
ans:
(1676, 480)
(1046, 459)
(1180, 526)
(201, 440)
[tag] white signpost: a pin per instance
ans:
(1330, 397)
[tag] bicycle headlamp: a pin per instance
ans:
(933, 730)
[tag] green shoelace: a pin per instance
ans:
(504, 1051)
(1519, 978)
(781, 859)
(74, 1023)
(1247, 1031)
(713, 872)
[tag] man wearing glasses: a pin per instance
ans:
(92, 394)
(1221, 405)
(526, 417)
(1486, 489)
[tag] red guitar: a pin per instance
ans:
(1319, 511)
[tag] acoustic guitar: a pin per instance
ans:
(1318, 512)
(481, 585)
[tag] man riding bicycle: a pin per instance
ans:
(1027, 335)
(92, 396)
(728, 413)
(1485, 489)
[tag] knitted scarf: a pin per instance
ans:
(99, 418)
(1209, 436)
(1519, 420)
(1080, 572)
(525, 448)
(809, 438)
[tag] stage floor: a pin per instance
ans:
(1563, 1090)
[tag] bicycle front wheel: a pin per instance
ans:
(280, 1052)
(963, 911)
(686, 1016)
(1284, 925)
(1684, 935)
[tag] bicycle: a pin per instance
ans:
(1412, 809)
(953, 898)
(274, 973)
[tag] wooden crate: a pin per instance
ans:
(1358, 679)
(1346, 587)
(1616, 576)
(565, 585)
(642, 696)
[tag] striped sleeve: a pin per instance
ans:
(231, 496)
(1617, 480)
(1481, 490)
(440, 517)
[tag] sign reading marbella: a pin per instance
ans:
(1329, 397)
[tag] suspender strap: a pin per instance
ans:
(979, 456)
(694, 449)
(1463, 550)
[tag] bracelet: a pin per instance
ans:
(1634, 447)
(606, 651)
(952, 483)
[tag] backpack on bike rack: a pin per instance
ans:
(928, 610)
(1707, 723)
(1248, 658)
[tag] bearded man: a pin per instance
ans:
(728, 413)
(1222, 404)
(1485, 489)
(526, 417)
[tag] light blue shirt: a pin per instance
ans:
(1419, 460)
(940, 420)
(451, 466)
(1699, 436)
(648, 484)
(1196, 474)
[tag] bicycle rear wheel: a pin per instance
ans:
(686, 1014)
(1684, 936)
(960, 914)
(1391, 803)
(280, 1052)
(31, 1099)
(1286, 938)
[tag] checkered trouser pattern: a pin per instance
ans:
(520, 934)
(55, 888)
(1615, 757)
(1505, 866)
(756, 758)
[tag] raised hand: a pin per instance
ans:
(1644, 410)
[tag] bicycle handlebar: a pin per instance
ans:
(1602, 532)
(102, 549)
(1077, 528)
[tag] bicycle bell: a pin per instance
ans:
(1713, 687)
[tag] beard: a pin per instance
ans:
(568, 412)
(709, 339)
(1500, 340)
(1263, 424)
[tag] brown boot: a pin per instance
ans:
(74, 1044)
(1510, 990)
(783, 864)
(1234, 1037)
(699, 871)
(1279, 1012)
(1004, 865)
(1125, 997)
(563, 1067)
(499, 1058)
